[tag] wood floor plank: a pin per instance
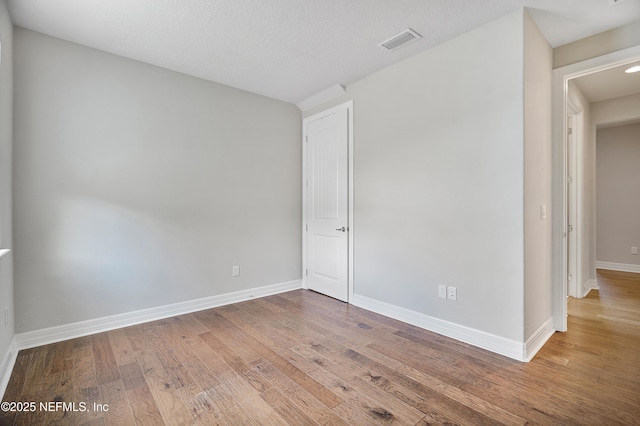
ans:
(273, 338)
(104, 360)
(159, 382)
(136, 337)
(60, 357)
(143, 407)
(233, 337)
(236, 363)
(249, 399)
(118, 412)
(287, 409)
(131, 375)
(298, 396)
(295, 374)
(360, 393)
(36, 371)
(236, 415)
(303, 358)
(355, 416)
(84, 369)
(311, 331)
(433, 395)
(188, 351)
(122, 350)
(161, 344)
(91, 397)
(334, 351)
(199, 404)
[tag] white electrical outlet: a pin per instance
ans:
(236, 271)
(634, 250)
(442, 291)
(452, 293)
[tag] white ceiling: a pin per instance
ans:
(293, 49)
(609, 84)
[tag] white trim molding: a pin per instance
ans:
(324, 96)
(6, 368)
(84, 328)
(588, 286)
(500, 345)
(622, 267)
(537, 340)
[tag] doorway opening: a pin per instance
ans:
(574, 255)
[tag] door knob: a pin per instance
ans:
(341, 229)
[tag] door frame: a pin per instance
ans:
(574, 242)
(560, 86)
(348, 106)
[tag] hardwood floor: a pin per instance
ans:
(301, 358)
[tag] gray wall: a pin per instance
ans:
(6, 120)
(137, 187)
(438, 151)
(537, 177)
(618, 189)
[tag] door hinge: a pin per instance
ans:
(306, 228)
(306, 138)
(569, 277)
(569, 131)
(306, 272)
(570, 179)
(570, 228)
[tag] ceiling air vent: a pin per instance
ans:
(402, 39)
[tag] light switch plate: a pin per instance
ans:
(442, 291)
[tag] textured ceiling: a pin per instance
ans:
(293, 49)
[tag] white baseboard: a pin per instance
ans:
(537, 340)
(500, 345)
(588, 286)
(84, 328)
(623, 267)
(6, 367)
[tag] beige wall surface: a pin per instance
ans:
(618, 111)
(597, 45)
(618, 189)
(6, 143)
(537, 177)
(137, 187)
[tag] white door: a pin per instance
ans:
(327, 204)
